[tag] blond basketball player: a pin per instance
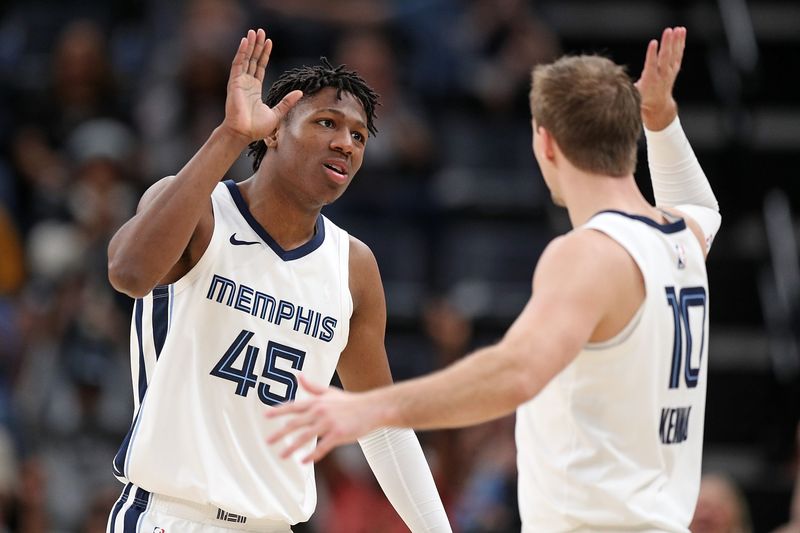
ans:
(606, 364)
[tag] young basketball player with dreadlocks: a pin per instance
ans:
(238, 295)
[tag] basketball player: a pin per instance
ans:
(238, 289)
(606, 364)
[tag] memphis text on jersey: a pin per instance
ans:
(266, 307)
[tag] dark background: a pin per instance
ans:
(98, 100)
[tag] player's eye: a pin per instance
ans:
(326, 123)
(358, 136)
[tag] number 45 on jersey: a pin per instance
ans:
(245, 376)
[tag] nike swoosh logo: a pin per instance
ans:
(237, 242)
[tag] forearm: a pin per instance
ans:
(676, 173)
(396, 459)
(154, 239)
(486, 385)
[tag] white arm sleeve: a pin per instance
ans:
(678, 180)
(396, 459)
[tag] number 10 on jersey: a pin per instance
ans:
(245, 377)
(687, 348)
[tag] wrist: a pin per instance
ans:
(229, 136)
(385, 412)
(656, 119)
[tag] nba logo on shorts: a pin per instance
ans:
(159, 530)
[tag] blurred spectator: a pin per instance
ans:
(401, 157)
(81, 87)
(793, 526)
(343, 13)
(501, 41)
(182, 99)
(11, 278)
(8, 476)
(721, 507)
(353, 502)
(11, 267)
(488, 499)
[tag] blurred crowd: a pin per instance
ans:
(100, 99)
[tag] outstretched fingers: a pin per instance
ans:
(323, 447)
(679, 45)
(263, 60)
(665, 51)
(252, 55)
(239, 64)
(301, 419)
(252, 63)
(301, 440)
(650, 61)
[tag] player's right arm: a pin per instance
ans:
(173, 223)
(678, 179)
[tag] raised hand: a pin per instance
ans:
(332, 415)
(661, 66)
(245, 113)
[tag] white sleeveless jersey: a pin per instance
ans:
(213, 351)
(614, 442)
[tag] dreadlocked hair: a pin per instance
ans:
(311, 80)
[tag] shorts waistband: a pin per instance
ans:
(212, 515)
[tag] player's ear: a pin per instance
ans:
(548, 143)
(272, 139)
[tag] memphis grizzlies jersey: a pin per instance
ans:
(213, 351)
(614, 442)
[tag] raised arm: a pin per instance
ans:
(173, 224)
(677, 177)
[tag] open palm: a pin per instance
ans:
(661, 66)
(245, 112)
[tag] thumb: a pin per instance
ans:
(312, 387)
(288, 101)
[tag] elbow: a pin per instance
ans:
(524, 387)
(523, 382)
(126, 280)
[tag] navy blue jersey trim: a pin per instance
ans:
(139, 506)
(142, 372)
(122, 453)
(118, 506)
(287, 255)
(671, 227)
(161, 302)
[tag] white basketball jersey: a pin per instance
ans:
(213, 351)
(614, 442)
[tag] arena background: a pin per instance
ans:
(100, 99)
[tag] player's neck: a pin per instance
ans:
(285, 217)
(587, 194)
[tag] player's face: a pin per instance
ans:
(321, 144)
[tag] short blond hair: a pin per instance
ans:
(590, 106)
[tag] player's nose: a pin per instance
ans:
(342, 141)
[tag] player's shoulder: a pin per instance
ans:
(153, 191)
(583, 256)
(362, 260)
(364, 276)
(583, 245)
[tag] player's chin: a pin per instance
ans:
(335, 191)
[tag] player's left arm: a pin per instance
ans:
(394, 455)
(577, 281)
(677, 177)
